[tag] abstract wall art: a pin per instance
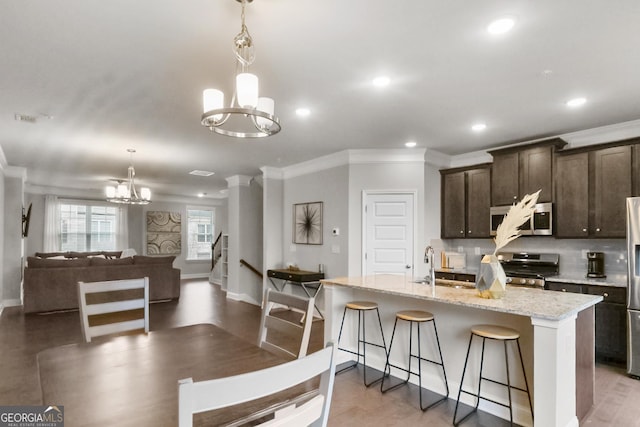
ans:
(307, 223)
(164, 233)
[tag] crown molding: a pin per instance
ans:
(239, 180)
(16, 172)
(603, 134)
(88, 194)
(354, 157)
(269, 172)
(437, 159)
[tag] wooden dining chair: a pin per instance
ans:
(113, 306)
(203, 396)
(277, 333)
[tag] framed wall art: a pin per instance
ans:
(164, 233)
(307, 223)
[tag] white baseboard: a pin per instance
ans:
(11, 302)
(194, 276)
(243, 297)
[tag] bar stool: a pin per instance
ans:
(361, 307)
(417, 317)
(498, 333)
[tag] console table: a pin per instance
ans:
(307, 280)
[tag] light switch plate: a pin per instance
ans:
(335, 249)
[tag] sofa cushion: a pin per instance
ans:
(33, 262)
(140, 259)
(109, 261)
(73, 254)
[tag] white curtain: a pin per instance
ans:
(122, 230)
(51, 224)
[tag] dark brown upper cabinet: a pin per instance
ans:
(465, 202)
(591, 186)
(522, 170)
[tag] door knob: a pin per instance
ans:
(408, 266)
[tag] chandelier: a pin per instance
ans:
(126, 192)
(248, 115)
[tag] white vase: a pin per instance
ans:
(491, 281)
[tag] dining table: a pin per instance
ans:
(132, 380)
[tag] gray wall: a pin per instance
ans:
(406, 176)
(330, 187)
(245, 238)
(273, 221)
(12, 240)
(2, 204)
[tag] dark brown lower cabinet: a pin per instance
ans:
(611, 324)
(610, 319)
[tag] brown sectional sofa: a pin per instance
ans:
(51, 284)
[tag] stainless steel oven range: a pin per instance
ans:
(529, 269)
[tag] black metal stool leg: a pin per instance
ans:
(464, 370)
(506, 360)
(524, 374)
(387, 365)
(353, 365)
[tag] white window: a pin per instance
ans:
(87, 227)
(200, 234)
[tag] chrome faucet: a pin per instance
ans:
(429, 254)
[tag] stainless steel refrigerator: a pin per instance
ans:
(633, 290)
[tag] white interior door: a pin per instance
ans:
(388, 233)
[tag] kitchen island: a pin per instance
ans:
(546, 321)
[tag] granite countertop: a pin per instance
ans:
(520, 301)
(614, 280)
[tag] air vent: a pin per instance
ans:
(201, 173)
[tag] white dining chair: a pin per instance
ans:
(120, 307)
(276, 333)
(202, 396)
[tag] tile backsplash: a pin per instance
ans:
(573, 252)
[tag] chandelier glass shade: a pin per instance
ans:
(248, 114)
(125, 192)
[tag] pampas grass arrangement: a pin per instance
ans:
(519, 213)
(491, 280)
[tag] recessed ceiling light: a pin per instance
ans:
(224, 191)
(202, 194)
(410, 144)
(381, 81)
(501, 26)
(576, 102)
(478, 127)
(201, 173)
(303, 112)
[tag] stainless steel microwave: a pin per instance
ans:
(541, 223)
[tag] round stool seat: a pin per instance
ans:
(495, 332)
(414, 315)
(362, 305)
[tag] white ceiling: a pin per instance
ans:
(118, 74)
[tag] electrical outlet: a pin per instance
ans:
(460, 248)
(584, 254)
(292, 248)
(476, 251)
(335, 249)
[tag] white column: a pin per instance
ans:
(554, 372)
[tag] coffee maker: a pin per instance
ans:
(595, 264)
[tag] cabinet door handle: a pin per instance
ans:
(469, 232)
(564, 290)
(461, 231)
(597, 229)
(515, 197)
(605, 295)
(584, 230)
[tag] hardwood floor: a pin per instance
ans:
(23, 336)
